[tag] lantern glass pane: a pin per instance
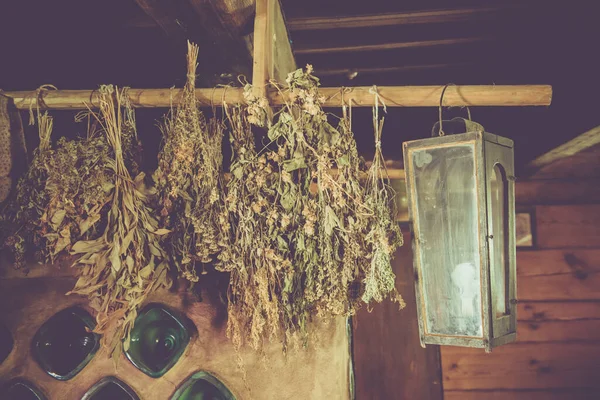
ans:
(499, 243)
(447, 228)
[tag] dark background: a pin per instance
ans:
(79, 44)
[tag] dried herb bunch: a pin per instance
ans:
(60, 199)
(299, 221)
(188, 179)
(384, 234)
(125, 262)
(21, 215)
(254, 254)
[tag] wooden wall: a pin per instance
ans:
(389, 362)
(557, 353)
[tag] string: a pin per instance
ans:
(375, 93)
(38, 98)
(212, 98)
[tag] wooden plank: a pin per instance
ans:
(164, 16)
(543, 192)
(558, 311)
(389, 362)
(351, 73)
(394, 96)
(392, 19)
(273, 57)
(558, 275)
(559, 331)
(577, 262)
(585, 164)
(198, 21)
(525, 394)
(568, 149)
(283, 56)
(236, 15)
(262, 68)
(574, 226)
(515, 366)
(559, 287)
(389, 46)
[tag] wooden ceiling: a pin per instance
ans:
(78, 44)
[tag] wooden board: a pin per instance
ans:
(574, 226)
(558, 311)
(558, 275)
(389, 46)
(548, 394)
(392, 19)
(585, 164)
(273, 57)
(558, 287)
(571, 148)
(514, 366)
(389, 361)
(541, 192)
(559, 331)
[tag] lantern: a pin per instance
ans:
(461, 197)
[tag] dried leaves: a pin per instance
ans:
(61, 197)
(296, 227)
(124, 264)
(188, 180)
(306, 237)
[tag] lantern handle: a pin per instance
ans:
(441, 131)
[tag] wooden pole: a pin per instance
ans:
(393, 96)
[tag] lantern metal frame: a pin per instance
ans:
(489, 150)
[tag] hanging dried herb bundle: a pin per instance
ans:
(384, 235)
(125, 263)
(255, 255)
(61, 197)
(300, 221)
(21, 216)
(188, 179)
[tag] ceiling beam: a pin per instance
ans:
(165, 17)
(361, 96)
(580, 143)
(417, 17)
(203, 22)
(228, 22)
(388, 46)
(351, 73)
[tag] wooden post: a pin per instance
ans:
(273, 57)
(263, 59)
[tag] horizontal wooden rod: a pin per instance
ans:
(367, 21)
(361, 96)
(388, 46)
